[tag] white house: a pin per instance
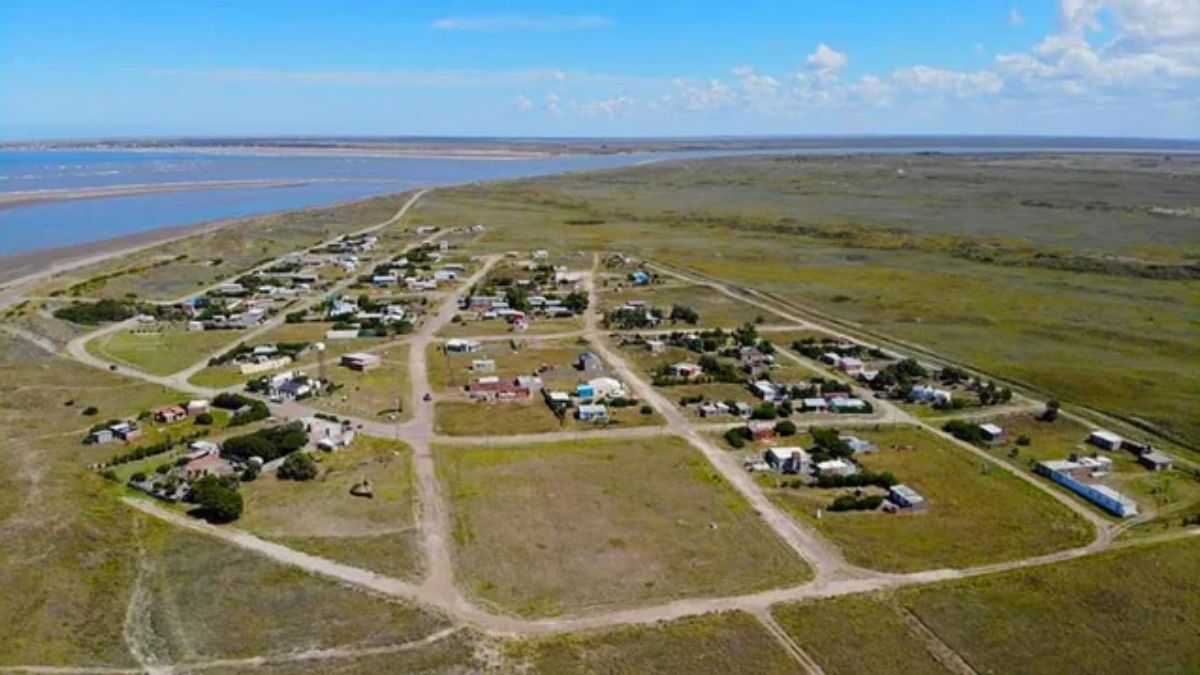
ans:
(606, 387)
(836, 467)
(686, 370)
(592, 412)
(991, 431)
(461, 346)
(928, 394)
(765, 389)
(1105, 439)
(906, 497)
(788, 459)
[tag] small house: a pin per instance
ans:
(906, 498)
(836, 467)
(850, 365)
(1105, 440)
(360, 361)
(685, 370)
(592, 412)
(845, 404)
(991, 432)
(858, 445)
(557, 400)
(126, 431)
(790, 460)
(461, 346)
(1155, 461)
(765, 389)
(761, 431)
(814, 405)
(100, 436)
(169, 414)
(655, 346)
(639, 278)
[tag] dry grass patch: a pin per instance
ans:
(161, 349)
(565, 527)
(453, 418)
(714, 643)
(1006, 518)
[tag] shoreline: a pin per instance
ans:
(12, 200)
(18, 270)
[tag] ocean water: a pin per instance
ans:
(44, 225)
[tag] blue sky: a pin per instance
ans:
(1089, 67)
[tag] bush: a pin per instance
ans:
(737, 437)
(101, 311)
(298, 466)
(765, 411)
(965, 431)
(216, 503)
(1024, 440)
(785, 428)
(204, 419)
(646, 410)
(138, 477)
(109, 474)
(852, 503)
(90, 410)
(270, 443)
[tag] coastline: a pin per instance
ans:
(10, 200)
(21, 269)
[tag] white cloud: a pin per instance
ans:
(553, 106)
(523, 103)
(1015, 18)
(607, 107)
(873, 90)
(509, 23)
(711, 95)
(826, 62)
(959, 84)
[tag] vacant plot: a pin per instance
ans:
(455, 653)
(565, 527)
(552, 360)
(454, 418)
(382, 392)
(278, 609)
(1007, 518)
(1127, 611)
(857, 634)
(713, 643)
(161, 349)
(537, 326)
(715, 310)
(322, 517)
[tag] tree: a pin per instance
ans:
(298, 466)
(765, 411)
(216, 503)
(785, 428)
(204, 419)
(684, 314)
(1051, 412)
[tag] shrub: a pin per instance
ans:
(90, 410)
(646, 410)
(204, 419)
(216, 503)
(852, 503)
(965, 431)
(109, 474)
(737, 437)
(298, 466)
(1023, 440)
(765, 411)
(785, 428)
(270, 443)
(101, 311)
(138, 477)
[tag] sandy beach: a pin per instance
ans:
(10, 200)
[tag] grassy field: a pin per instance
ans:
(1164, 498)
(1008, 518)
(554, 358)
(372, 394)
(67, 560)
(714, 309)
(322, 517)
(1021, 241)
(1128, 611)
(162, 349)
(456, 653)
(275, 610)
(565, 527)
(453, 418)
(856, 634)
(713, 643)
(539, 326)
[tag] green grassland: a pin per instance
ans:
(555, 358)
(856, 634)
(715, 310)
(1130, 611)
(456, 653)
(458, 418)
(322, 517)
(161, 350)
(1007, 518)
(374, 393)
(996, 262)
(267, 609)
(556, 528)
(67, 560)
(538, 326)
(713, 643)
(168, 271)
